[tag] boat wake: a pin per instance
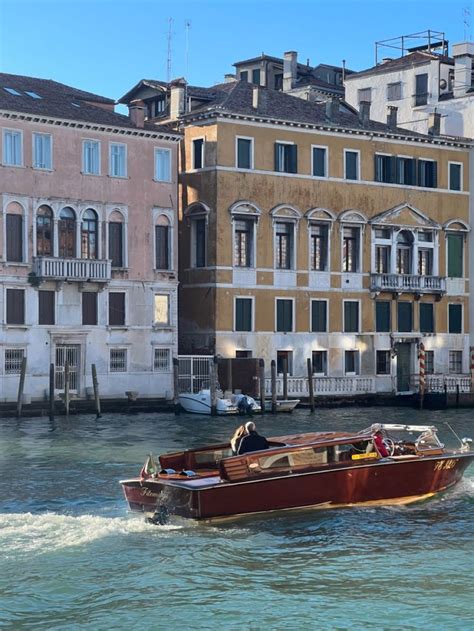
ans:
(28, 532)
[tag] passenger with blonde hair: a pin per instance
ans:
(237, 436)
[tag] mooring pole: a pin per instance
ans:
(95, 384)
(66, 386)
(51, 392)
(229, 375)
(274, 389)
(310, 384)
(176, 405)
(21, 385)
(261, 370)
(213, 385)
(285, 378)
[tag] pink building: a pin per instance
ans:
(88, 242)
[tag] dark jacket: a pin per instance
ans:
(252, 442)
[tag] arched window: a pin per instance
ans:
(89, 239)
(285, 221)
(197, 215)
(67, 233)
(404, 252)
(116, 239)
(244, 219)
(44, 231)
(162, 243)
(14, 232)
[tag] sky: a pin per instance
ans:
(107, 46)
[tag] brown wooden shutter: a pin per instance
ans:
(46, 307)
(161, 241)
(116, 243)
(116, 309)
(15, 306)
(89, 308)
(14, 238)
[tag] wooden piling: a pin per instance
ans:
(21, 385)
(457, 395)
(51, 392)
(274, 390)
(177, 407)
(285, 378)
(213, 385)
(261, 371)
(67, 376)
(229, 375)
(95, 384)
(309, 364)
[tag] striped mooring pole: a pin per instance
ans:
(421, 357)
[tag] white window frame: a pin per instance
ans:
(97, 143)
(203, 153)
(283, 142)
(158, 150)
(325, 372)
(252, 319)
(293, 255)
(326, 162)
(13, 347)
(252, 156)
(357, 366)
(384, 374)
(5, 131)
(118, 144)
(170, 359)
(112, 290)
(162, 325)
(461, 176)
(356, 151)
(310, 329)
(381, 242)
(253, 255)
(168, 213)
(127, 359)
(44, 135)
(25, 305)
(455, 350)
(360, 253)
(462, 317)
(344, 332)
(293, 323)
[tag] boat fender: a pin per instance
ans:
(188, 473)
(167, 471)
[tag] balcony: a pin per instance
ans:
(408, 283)
(81, 270)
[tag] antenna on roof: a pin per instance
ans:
(168, 68)
(187, 25)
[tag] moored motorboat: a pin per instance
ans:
(200, 403)
(282, 405)
(318, 470)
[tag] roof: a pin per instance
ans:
(401, 63)
(48, 98)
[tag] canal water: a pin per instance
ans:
(72, 557)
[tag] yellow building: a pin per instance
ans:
(309, 231)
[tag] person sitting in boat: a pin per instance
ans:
(237, 436)
(252, 441)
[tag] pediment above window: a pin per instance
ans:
(320, 214)
(197, 209)
(352, 216)
(456, 225)
(245, 208)
(404, 215)
(284, 211)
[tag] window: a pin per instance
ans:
(405, 171)
(243, 314)
(284, 360)
(44, 231)
(244, 152)
(243, 242)
(155, 107)
(427, 173)
(118, 160)
(15, 306)
(244, 75)
(429, 362)
(454, 318)
(421, 89)
(243, 354)
(199, 240)
(364, 95)
(425, 262)
(319, 316)
(91, 157)
(455, 176)
(319, 247)
(394, 91)
(118, 360)
(319, 362)
(284, 245)
(320, 156)
(161, 310)
(286, 158)
(351, 165)
(351, 362)
(13, 360)
(426, 317)
(89, 308)
(162, 244)
(67, 233)
(284, 315)
(382, 259)
(198, 153)
(350, 249)
(46, 307)
(256, 76)
(455, 362)
(383, 362)
(385, 168)
(382, 316)
(89, 239)
(14, 238)
(455, 244)
(42, 151)
(163, 165)
(351, 316)
(162, 360)
(405, 317)
(404, 252)
(278, 81)
(116, 243)
(12, 148)
(116, 309)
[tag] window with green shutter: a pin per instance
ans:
(243, 314)
(455, 319)
(284, 316)
(351, 317)
(318, 316)
(455, 244)
(405, 317)
(382, 316)
(426, 317)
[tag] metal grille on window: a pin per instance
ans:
(13, 359)
(118, 360)
(455, 362)
(162, 359)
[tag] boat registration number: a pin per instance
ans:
(442, 465)
(371, 454)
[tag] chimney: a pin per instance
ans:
(136, 112)
(364, 113)
(259, 97)
(463, 54)
(332, 108)
(290, 61)
(229, 78)
(177, 98)
(392, 112)
(434, 124)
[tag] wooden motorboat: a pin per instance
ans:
(318, 470)
(282, 405)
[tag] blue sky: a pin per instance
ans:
(106, 46)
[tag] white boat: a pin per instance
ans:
(200, 403)
(282, 405)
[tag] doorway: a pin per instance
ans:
(72, 355)
(403, 350)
